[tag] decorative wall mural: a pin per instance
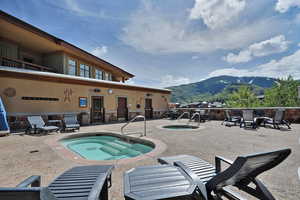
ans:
(10, 92)
(68, 95)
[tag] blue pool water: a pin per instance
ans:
(105, 147)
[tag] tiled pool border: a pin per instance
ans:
(55, 144)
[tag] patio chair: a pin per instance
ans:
(78, 183)
(70, 123)
(277, 120)
(248, 119)
(242, 173)
(37, 124)
(231, 119)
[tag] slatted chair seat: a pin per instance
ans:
(81, 183)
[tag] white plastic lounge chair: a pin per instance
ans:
(248, 119)
(70, 123)
(37, 124)
(277, 120)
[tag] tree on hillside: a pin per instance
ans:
(243, 97)
(284, 94)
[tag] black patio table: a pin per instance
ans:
(161, 182)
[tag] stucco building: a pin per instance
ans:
(41, 74)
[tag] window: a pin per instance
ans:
(98, 74)
(71, 67)
(107, 76)
(84, 70)
(40, 98)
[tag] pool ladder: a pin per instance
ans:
(193, 116)
(133, 133)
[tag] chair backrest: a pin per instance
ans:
(246, 168)
(36, 121)
(33, 193)
(227, 115)
(202, 112)
(70, 119)
(248, 115)
(279, 115)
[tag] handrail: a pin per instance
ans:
(193, 116)
(135, 118)
(183, 115)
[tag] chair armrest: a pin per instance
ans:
(218, 160)
(33, 181)
(201, 188)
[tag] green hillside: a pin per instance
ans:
(218, 88)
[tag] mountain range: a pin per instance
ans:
(217, 88)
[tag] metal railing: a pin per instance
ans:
(193, 116)
(188, 113)
(135, 118)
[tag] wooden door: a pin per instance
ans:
(148, 109)
(97, 111)
(122, 110)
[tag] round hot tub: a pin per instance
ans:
(180, 127)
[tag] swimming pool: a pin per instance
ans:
(104, 147)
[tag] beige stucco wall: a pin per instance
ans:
(34, 88)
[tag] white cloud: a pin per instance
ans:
(130, 81)
(276, 44)
(217, 13)
(170, 80)
(288, 65)
(195, 57)
(99, 51)
(153, 32)
(284, 5)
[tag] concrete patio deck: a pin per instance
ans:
(17, 163)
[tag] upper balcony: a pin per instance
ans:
(10, 62)
(25, 46)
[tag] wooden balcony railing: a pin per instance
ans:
(9, 62)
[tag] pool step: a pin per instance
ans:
(111, 150)
(131, 152)
(115, 146)
(123, 143)
(141, 148)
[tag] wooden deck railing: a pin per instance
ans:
(9, 62)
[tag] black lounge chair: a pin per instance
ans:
(70, 123)
(277, 120)
(78, 183)
(248, 119)
(229, 120)
(37, 124)
(241, 173)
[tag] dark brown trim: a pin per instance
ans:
(37, 77)
(13, 20)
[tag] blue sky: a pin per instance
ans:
(174, 42)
